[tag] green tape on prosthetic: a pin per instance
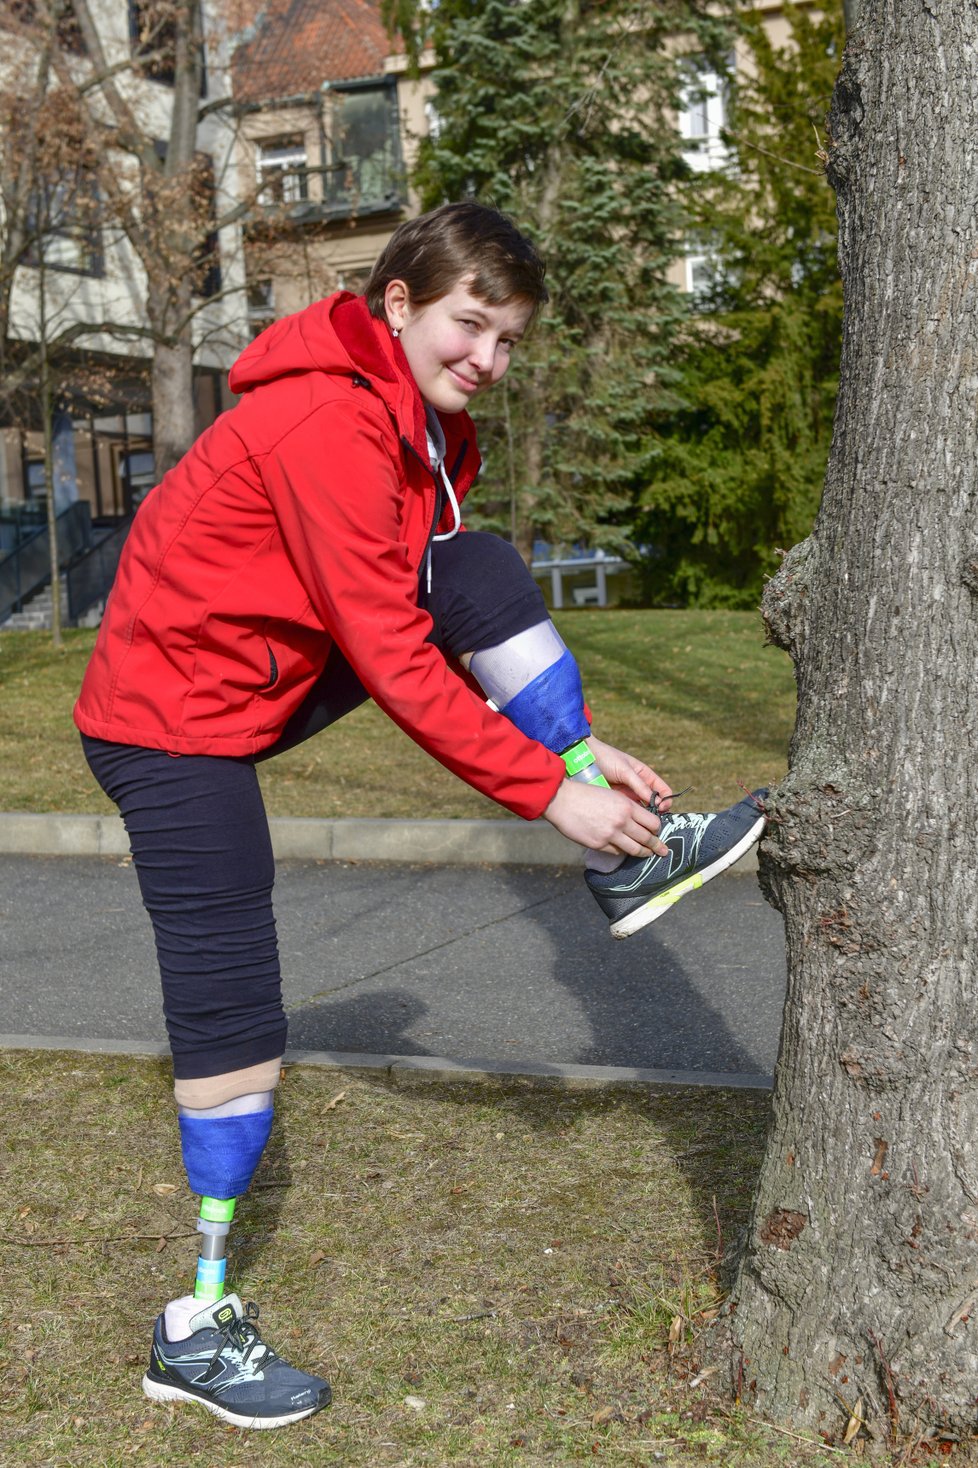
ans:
(218, 1213)
(580, 764)
(217, 1210)
(209, 1284)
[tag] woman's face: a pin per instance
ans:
(458, 345)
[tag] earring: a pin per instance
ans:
(395, 333)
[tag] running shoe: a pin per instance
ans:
(226, 1367)
(641, 889)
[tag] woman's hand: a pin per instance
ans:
(624, 772)
(605, 820)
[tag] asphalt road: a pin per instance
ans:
(502, 963)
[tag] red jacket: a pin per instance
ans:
(299, 519)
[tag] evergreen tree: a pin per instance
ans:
(735, 473)
(561, 112)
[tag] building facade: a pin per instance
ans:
(78, 283)
(330, 120)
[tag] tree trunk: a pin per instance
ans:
(858, 1283)
(170, 296)
(173, 398)
(47, 408)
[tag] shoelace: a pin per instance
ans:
(243, 1335)
(657, 799)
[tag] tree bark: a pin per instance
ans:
(171, 382)
(47, 408)
(858, 1281)
(170, 295)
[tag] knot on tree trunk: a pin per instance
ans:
(784, 604)
(823, 833)
(781, 1228)
(969, 571)
(845, 117)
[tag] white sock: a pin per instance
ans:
(178, 1315)
(602, 861)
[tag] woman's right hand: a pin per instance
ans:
(604, 820)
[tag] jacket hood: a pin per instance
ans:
(337, 335)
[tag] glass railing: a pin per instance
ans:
(27, 568)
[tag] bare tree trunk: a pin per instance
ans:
(859, 1278)
(170, 301)
(172, 386)
(57, 639)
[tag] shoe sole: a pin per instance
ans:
(159, 1391)
(657, 906)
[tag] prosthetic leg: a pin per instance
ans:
(221, 1148)
(533, 679)
(206, 1347)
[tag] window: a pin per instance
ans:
(64, 223)
(207, 255)
(137, 471)
(152, 39)
(365, 172)
(282, 174)
(153, 32)
(700, 272)
(702, 116)
(433, 119)
(709, 277)
(66, 27)
(261, 305)
(353, 280)
(35, 483)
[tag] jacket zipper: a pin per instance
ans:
(439, 493)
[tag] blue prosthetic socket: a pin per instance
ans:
(550, 709)
(535, 682)
(221, 1153)
(221, 1148)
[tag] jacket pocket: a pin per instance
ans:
(272, 670)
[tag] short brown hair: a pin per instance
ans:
(432, 253)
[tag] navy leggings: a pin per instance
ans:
(199, 834)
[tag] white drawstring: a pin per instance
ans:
(456, 512)
(456, 515)
(437, 452)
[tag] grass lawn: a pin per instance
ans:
(697, 694)
(486, 1276)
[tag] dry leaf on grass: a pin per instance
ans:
(704, 1375)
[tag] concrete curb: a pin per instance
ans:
(413, 1070)
(435, 842)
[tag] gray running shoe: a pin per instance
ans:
(226, 1367)
(700, 848)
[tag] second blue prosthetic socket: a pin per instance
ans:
(221, 1153)
(550, 708)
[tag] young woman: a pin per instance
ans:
(305, 555)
